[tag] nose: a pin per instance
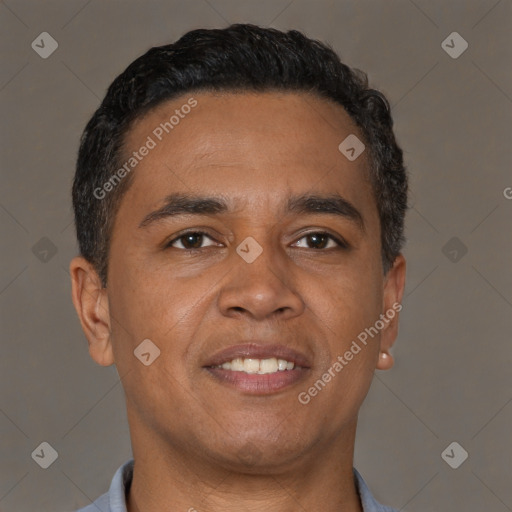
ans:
(261, 289)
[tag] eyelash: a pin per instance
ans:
(342, 244)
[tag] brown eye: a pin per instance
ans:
(320, 240)
(190, 241)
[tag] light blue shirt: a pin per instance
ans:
(114, 499)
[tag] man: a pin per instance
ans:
(239, 201)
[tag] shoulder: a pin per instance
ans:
(114, 499)
(100, 505)
(368, 502)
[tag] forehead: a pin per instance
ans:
(250, 147)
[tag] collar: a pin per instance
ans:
(114, 500)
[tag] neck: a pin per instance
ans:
(165, 478)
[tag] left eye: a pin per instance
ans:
(320, 241)
(192, 240)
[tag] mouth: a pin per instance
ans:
(259, 366)
(258, 369)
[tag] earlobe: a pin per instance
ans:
(91, 303)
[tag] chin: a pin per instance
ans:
(258, 454)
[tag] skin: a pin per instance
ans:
(198, 443)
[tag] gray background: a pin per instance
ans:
(451, 380)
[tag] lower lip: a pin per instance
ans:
(259, 384)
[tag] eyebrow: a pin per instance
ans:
(185, 204)
(332, 204)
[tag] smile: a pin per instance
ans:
(259, 366)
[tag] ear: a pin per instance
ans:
(393, 292)
(91, 303)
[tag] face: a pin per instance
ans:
(247, 249)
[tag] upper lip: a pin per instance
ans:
(258, 350)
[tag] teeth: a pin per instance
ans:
(268, 365)
(260, 366)
(237, 365)
(251, 365)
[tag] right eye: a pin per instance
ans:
(190, 241)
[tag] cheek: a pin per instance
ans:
(351, 300)
(347, 308)
(139, 294)
(148, 304)
(145, 306)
